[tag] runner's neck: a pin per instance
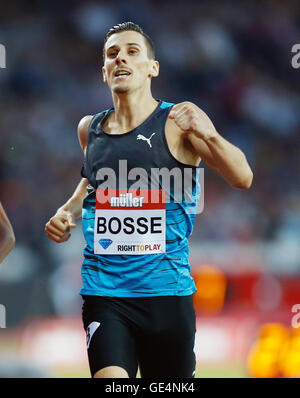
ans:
(129, 113)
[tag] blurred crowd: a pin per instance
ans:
(232, 59)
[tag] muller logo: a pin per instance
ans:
(126, 200)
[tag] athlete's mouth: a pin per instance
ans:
(122, 72)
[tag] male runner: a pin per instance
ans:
(137, 291)
(7, 236)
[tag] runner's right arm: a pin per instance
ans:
(58, 227)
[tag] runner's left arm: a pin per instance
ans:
(219, 154)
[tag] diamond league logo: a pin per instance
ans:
(105, 243)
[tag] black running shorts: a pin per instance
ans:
(156, 334)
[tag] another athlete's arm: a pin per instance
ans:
(219, 154)
(7, 236)
(58, 227)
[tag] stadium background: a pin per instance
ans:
(232, 59)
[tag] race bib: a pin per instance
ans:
(130, 222)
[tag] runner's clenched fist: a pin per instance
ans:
(190, 118)
(58, 227)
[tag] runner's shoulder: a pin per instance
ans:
(83, 129)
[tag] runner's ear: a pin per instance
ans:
(154, 69)
(104, 74)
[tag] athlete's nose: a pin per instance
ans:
(120, 58)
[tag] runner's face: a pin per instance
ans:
(127, 66)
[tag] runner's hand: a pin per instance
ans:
(58, 227)
(190, 118)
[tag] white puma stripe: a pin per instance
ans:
(90, 330)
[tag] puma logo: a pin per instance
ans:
(141, 137)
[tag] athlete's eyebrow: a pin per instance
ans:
(128, 44)
(133, 44)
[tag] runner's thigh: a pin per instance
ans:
(166, 349)
(109, 339)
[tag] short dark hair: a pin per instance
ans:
(125, 26)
